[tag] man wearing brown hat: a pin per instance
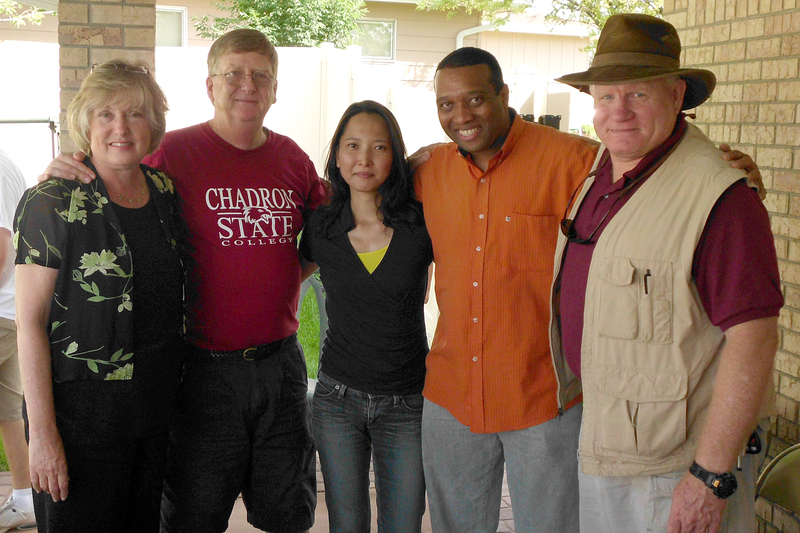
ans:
(667, 291)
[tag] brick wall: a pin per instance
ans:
(94, 32)
(753, 46)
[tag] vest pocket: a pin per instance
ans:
(641, 412)
(618, 315)
(635, 300)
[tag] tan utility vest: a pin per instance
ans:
(649, 354)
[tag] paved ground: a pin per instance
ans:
(238, 522)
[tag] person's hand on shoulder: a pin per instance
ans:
(68, 167)
(745, 162)
(419, 157)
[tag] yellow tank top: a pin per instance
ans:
(371, 260)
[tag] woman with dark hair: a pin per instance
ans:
(373, 252)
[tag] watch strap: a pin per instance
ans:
(702, 474)
(722, 485)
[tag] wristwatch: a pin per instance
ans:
(722, 485)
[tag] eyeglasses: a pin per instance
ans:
(235, 78)
(120, 66)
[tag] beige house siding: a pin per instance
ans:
(551, 55)
(197, 8)
(46, 32)
(753, 46)
(423, 36)
(529, 55)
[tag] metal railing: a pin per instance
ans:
(51, 124)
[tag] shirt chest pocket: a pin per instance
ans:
(635, 300)
(529, 241)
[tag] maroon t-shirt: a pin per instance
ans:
(243, 210)
(734, 267)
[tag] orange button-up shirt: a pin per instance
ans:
(494, 237)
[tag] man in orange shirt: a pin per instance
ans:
(494, 394)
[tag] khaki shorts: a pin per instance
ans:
(10, 381)
(632, 504)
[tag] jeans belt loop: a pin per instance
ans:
(342, 388)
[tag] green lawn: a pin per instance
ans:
(308, 334)
(3, 461)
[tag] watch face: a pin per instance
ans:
(724, 485)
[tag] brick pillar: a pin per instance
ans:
(94, 32)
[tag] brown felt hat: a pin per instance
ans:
(635, 48)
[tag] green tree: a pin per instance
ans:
(594, 13)
(493, 11)
(288, 22)
(590, 12)
(18, 15)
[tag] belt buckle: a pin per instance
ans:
(249, 354)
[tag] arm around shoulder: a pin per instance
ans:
(68, 167)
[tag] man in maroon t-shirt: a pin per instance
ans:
(668, 293)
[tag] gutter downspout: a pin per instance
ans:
(471, 31)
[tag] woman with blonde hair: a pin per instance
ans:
(99, 311)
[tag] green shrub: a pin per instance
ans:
(308, 333)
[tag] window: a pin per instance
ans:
(170, 26)
(377, 39)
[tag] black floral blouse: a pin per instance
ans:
(70, 226)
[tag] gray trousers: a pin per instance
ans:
(464, 474)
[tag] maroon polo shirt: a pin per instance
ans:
(735, 266)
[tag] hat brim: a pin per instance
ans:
(700, 83)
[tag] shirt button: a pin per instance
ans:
(483, 180)
(475, 320)
(478, 249)
(508, 219)
(474, 283)
(475, 359)
(605, 196)
(480, 216)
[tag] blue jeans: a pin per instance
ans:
(351, 425)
